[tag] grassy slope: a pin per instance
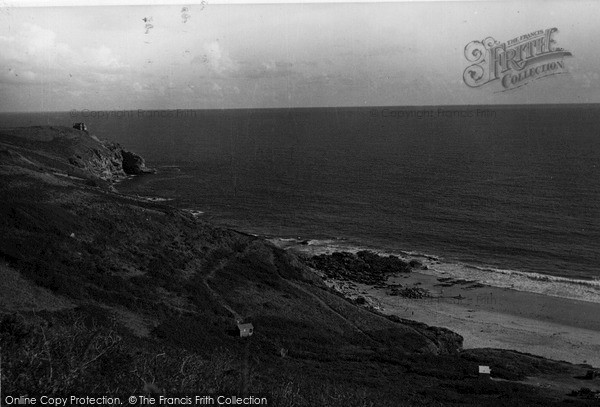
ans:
(150, 292)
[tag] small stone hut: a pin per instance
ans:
(80, 126)
(245, 329)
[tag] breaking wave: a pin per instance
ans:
(564, 287)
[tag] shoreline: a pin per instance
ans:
(492, 317)
(486, 316)
(584, 290)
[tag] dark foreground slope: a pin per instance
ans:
(113, 294)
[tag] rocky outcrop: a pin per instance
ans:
(73, 152)
(134, 164)
(363, 267)
(104, 161)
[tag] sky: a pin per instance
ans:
(213, 56)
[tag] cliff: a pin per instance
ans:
(69, 151)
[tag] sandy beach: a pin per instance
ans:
(484, 315)
(491, 317)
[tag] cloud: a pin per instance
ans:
(33, 54)
(33, 44)
(138, 87)
(12, 76)
(215, 59)
(217, 89)
(265, 69)
(102, 57)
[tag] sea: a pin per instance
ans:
(504, 195)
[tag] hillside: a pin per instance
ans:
(116, 294)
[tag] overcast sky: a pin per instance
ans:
(287, 55)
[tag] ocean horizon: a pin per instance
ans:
(511, 192)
